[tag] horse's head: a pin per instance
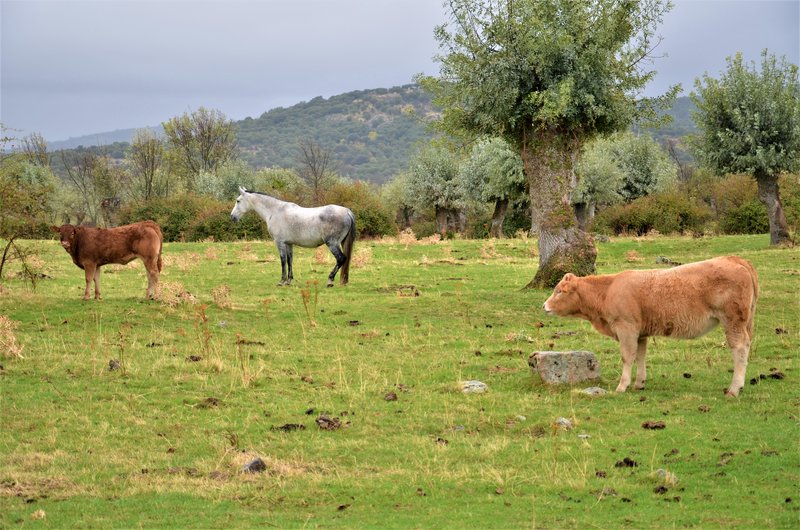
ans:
(241, 206)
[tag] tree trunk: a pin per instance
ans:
(450, 220)
(769, 195)
(499, 215)
(563, 246)
(584, 212)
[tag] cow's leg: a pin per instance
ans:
(336, 250)
(97, 295)
(628, 347)
(739, 341)
(151, 265)
(282, 251)
(641, 366)
(88, 271)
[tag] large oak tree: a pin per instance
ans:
(547, 75)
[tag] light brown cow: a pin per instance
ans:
(683, 302)
(91, 248)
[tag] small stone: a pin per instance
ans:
(390, 396)
(665, 476)
(594, 391)
(474, 387)
(114, 364)
(584, 436)
(254, 466)
(563, 423)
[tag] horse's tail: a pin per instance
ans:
(347, 249)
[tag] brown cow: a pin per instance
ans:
(91, 248)
(683, 302)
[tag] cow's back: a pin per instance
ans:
(684, 301)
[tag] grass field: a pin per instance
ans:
(228, 367)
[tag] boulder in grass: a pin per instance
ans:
(565, 367)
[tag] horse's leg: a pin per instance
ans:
(282, 251)
(336, 250)
(289, 259)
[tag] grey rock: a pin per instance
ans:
(563, 423)
(594, 391)
(473, 387)
(565, 367)
(254, 466)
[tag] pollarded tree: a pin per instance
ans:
(547, 75)
(645, 166)
(493, 173)
(749, 122)
(433, 183)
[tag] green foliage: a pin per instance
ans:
(195, 218)
(749, 218)
(645, 167)
(373, 218)
(667, 212)
(371, 133)
(493, 171)
(201, 141)
(600, 176)
(749, 120)
(433, 179)
(27, 197)
(512, 69)
(790, 198)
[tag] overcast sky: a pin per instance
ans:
(75, 67)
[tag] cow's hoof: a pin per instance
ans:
(330, 284)
(731, 393)
(638, 386)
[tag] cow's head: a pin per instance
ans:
(564, 301)
(67, 233)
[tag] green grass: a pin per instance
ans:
(160, 442)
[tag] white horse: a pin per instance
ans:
(290, 224)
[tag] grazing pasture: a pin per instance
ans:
(134, 413)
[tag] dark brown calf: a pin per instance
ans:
(91, 248)
(682, 302)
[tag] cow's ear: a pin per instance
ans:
(242, 190)
(54, 228)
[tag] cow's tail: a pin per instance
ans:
(347, 249)
(754, 279)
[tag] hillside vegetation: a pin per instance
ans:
(370, 133)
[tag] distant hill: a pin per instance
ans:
(370, 133)
(100, 139)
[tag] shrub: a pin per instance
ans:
(790, 200)
(193, 218)
(373, 219)
(749, 218)
(669, 212)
